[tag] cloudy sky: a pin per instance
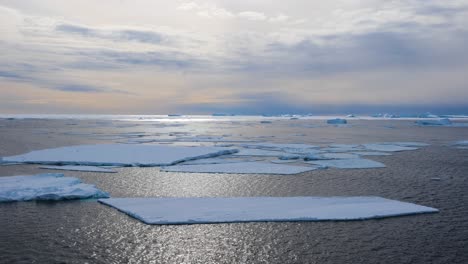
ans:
(245, 56)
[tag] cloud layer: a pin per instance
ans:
(242, 56)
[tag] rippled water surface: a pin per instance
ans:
(86, 231)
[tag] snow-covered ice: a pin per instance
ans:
(118, 154)
(165, 211)
(240, 168)
(79, 168)
(48, 186)
(348, 163)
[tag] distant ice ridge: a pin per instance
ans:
(48, 186)
(119, 154)
(166, 211)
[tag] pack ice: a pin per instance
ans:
(119, 154)
(48, 186)
(165, 211)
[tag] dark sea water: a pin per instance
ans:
(88, 232)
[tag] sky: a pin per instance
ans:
(241, 57)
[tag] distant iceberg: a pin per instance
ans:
(167, 211)
(48, 186)
(337, 121)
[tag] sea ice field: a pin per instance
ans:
(204, 189)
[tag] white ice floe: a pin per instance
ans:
(215, 161)
(166, 211)
(371, 153)
(437, 122)
(79, 168)
(387, 147)
(279, 146)
(337, 121)
(240, 168)
(49, 186)
(119, 154)
(348, 163)
(259, 153)
(339, 156)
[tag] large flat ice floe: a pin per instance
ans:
(165, 211)
(348, 163)
(79, 168)
(118, 154)
(48, 186)
(240, 168)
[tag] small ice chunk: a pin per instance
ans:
(348, 163)
(48, 186)
(167, 211)
(119, 154)
(387, 147)
(240, 168)
(79, 168)
(437, 122)
(337, 121)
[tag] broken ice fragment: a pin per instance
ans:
(49, 186)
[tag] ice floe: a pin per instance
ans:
(337, 121)
(166, 211)
(118, 154)
(79, 168)
(436, 122)
(348, 163)
(48, 186)
(387, 147)
(240, 168)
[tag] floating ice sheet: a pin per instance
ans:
(348, 163)
(387, 147)
(337, 121)
(240, 168)
(165, 211)
(79, 168)
(259, 153)
(48, 186)
(118, 154)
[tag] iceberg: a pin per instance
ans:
(48, 186)
(337, 121)
(79, 168)
(169, 211)
(348, 163)
(119, 154)
(240, 168)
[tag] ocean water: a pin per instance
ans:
(89, 232)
